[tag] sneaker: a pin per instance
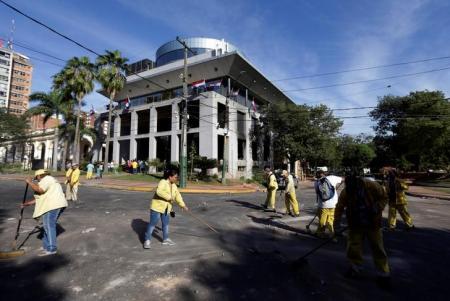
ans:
(147, 244)
(47, 253)
(168, 242)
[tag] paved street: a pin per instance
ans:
(101, 256)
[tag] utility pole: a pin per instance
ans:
(183, 154)
(225, 136)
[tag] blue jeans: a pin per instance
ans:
(154, 218)
(49, 222)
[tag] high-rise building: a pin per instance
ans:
(15, 81)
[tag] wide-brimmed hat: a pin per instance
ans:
(40, 172)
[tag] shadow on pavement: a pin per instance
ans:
(259, 267)
(245, 204)
(28, 280)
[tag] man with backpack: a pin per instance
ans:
(272, 186)
(327, 198)
(364, 202)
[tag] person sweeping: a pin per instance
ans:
(49, 203)
(364, 201)
(161, 207)
(396, 188)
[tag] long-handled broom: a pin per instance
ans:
(15, 252)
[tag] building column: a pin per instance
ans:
(115, 141)
(133, 133)
(207, 124)
(175, 141)
(232, 141)
(248, 148)
(152, 141)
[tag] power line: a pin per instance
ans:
(369, 80)
(362, 69)
(70, 39)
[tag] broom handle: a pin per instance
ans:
(21, 213)
(202, 221)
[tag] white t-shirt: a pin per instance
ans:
(52, 198)
(331, 203)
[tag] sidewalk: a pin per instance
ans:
(427, 192)
(147, 186)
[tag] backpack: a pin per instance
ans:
(324, 189)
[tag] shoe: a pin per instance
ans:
(264, 206)
(295, 215)
(384, 282)
(410, 228)
(168, 242)
(47, 253)
(147, 244)
(270, 210)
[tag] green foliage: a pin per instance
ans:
(157, 164)
(204, 163)
(355, 153)
(11, 167)
(12, 127)
(305, 132)
(413, 131)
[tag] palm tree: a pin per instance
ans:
(49, 104)
(67, 130)
(111, 68)
(77, 78)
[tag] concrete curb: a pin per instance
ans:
(182, 190)
(428, 196)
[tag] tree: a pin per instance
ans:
(77, 78)
(12, 127)
(307, 133)
(413, 131)
(356, 152)
(54, 103)
(111, 68)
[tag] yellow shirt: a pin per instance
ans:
(75, 177)
(165, 195)
(290, 187)
(52, 198)
(272, 185)
(134, 164)
(68, 174)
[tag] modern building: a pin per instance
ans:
(226, 92)
(15, 81)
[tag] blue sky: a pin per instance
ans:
(282, 38)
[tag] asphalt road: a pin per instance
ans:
(100, 254)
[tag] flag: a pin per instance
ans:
(254, 105)
(199, 83)
(92, 111)
(127, 103)
(215, 84)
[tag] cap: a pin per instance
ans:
(40, 172)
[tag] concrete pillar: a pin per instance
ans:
(248, 147)
(116, 151)
(152, 141)
(133, 133)
(175, 141)
(208, 128)
(232, 141)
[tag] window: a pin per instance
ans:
(221, 115)
(143, 122)
(125, 124)
(164, 121)
(241, 149)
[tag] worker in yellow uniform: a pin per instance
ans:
(290, 198)
(67, 182)
(272, 186)
(327, 197)
(396, 188)
(74, 182)
(161, 207)
(364, 201)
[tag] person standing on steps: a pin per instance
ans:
(161, 207)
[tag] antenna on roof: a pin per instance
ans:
(11, 34)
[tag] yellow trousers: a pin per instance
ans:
(290, 200)
(89, 175)
(355, 246)
(326, 220)
(392, 217)
(270, 199)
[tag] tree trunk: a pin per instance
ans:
(55, 144)
(105, 159)
(76, 143)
